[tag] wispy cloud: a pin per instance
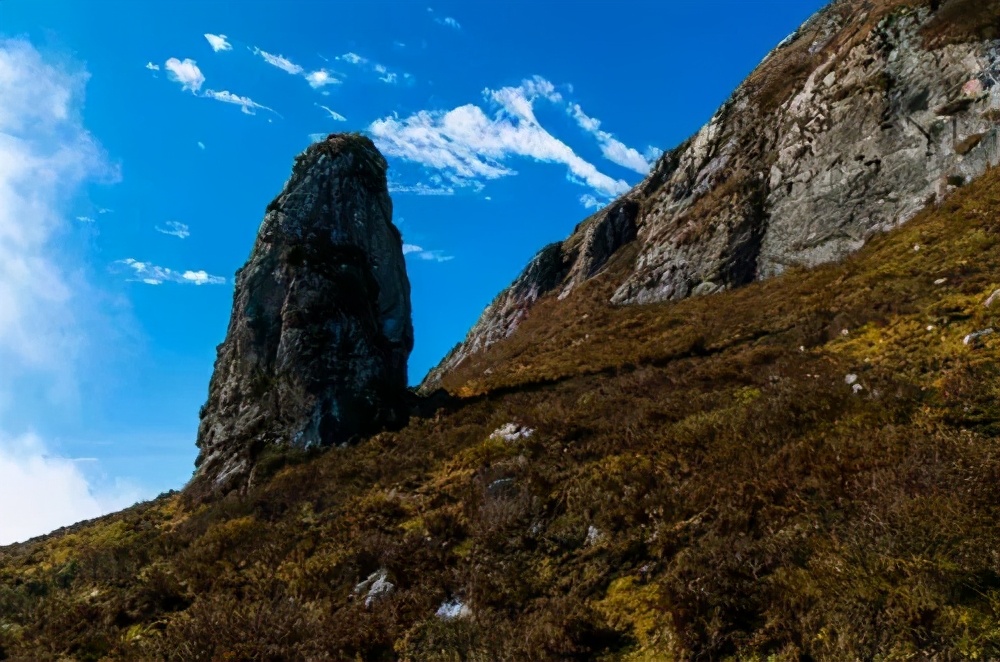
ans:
(279, 61)
(421, 188)
(47, 323)
(151, 274)
(469, 144)
(218, 42)
(152, 67)
(590, 202)
(321, 78)
(333, 114)
(449, 22)
(185, 72)
(419, 253)
(613, 149)
(85, 219)
(175, 229)
(380, 70)
(352, 58)
(248, 105)
(201, 145)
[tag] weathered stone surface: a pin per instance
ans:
(320, 331)
(870, 111)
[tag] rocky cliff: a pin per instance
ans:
(320, 331)
(849, 127)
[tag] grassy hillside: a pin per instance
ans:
(806, 468)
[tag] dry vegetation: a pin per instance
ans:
(702, 483)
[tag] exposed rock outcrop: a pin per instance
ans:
(870, 111)
(320, 332)
(562, 264)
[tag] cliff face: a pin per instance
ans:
(867, 113)
(320, 331)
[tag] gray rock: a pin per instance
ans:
(376, 587)
(320, 332)
(847, 129)
(974, 339)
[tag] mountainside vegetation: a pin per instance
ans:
(805, 468)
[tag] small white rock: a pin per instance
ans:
(845, 332)
(857, 388)
(992, 299)
(594, 536)
(377, 586)
(916, 247)
(453, 609)
(851, 379)
(941, 281)
(512, 432)
(930, 327)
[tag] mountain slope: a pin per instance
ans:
(847, 129)
(803, 468)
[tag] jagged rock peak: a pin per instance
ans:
(320, 332)
(867, 113)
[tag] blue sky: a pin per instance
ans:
(140, 143)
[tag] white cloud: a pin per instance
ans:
(590, 202)
(429, 256)
(152, 67)
(449, 22)
(218, 42)
(185, 72)
(613, 149)
(317, 137)
(85, 219)
(202, 278)
(45, 156)
(201, 145)
(333, 114)
(105, 211)
(467, 143)
(152, 274)
(320, 78)
(46, 319)
(421, 188)
(279, 61)
(175, 229)
(249, 106)
(50, 491)
(353, 58)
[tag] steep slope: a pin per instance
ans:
(321, 329)
(847, 129)
(803, 468)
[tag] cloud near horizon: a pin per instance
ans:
(50, 491)
(48, 326)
